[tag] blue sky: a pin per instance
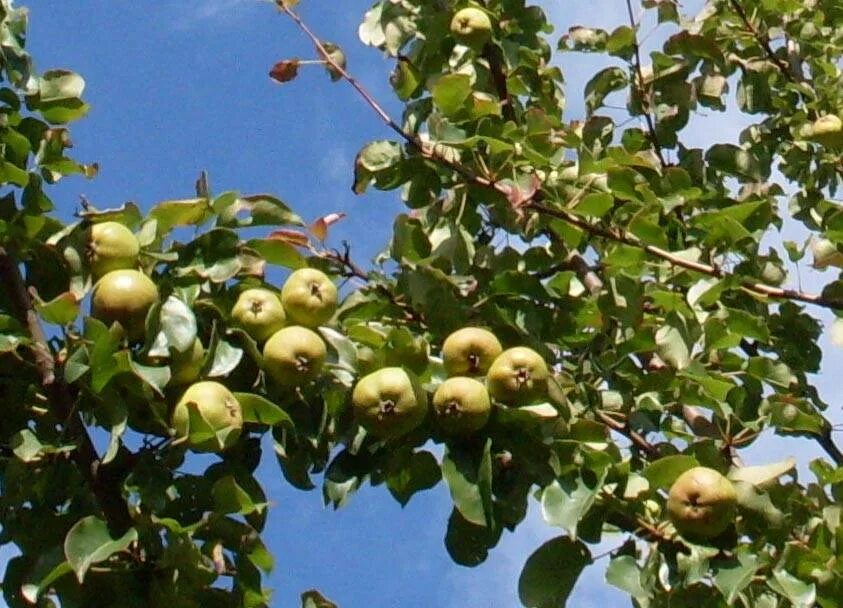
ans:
(177, 86)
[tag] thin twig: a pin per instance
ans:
(636, 438)
(763, 40)
(344, 260)
(760, 289)
(651, 125)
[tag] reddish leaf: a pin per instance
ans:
(284, 71)
(293, 237)
(319, 228)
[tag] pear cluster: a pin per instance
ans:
(208, 417)
(293, 353)
(389, 402)
(122, 293)
(515, 376)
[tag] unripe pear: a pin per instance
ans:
(259, 313)
(294, 356)
(389, 403)
(472, 27)
(517, 376)
(111, 246)
(124, 296)
(470, 351)
(461, 405)
(309, 297)
(702, 503)
(208, 417)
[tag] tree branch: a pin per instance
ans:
(493, 56)
(103, 483)
(351, 269)
(763, 40)
(827, 443)
(636, 438)
(755, 287)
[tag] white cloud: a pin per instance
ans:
(218, 8)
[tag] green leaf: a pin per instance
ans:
(450, 93)
(551, 572)
(101, 353)
(345, 348)
(260, 410)
(601, 85)
(62, 111)
(177, 325)
(411, 472)
(88, 542)
(774, 372)
(405, 78)
(375, 157)
(664, 471)
(56, 85)
(468, 476)
(799, 593)
(61, 310)
(226, 359)
(621, 42)
(254, 210)
(278, 252)
(733, 578)
(229, 497)
(764, 474)
(566, 501)
(26, 446)
(672, 347)
(184, 212)
(736, 161)
(625, 574)
(468, 544)
(585, 39)
(596, 204)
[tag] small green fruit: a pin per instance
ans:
(208, 417)
(389, 403)
(259, 313)
(470, 351)
(461, 405)
(518, 376)
(124, 296)
(472, 27)
(773, 274)
(294, 356)
(825, 254)
(309, 297)
(111, 246)
(185, 367)
(702, 503)
(826, 130)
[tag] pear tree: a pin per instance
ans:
(584, 313)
